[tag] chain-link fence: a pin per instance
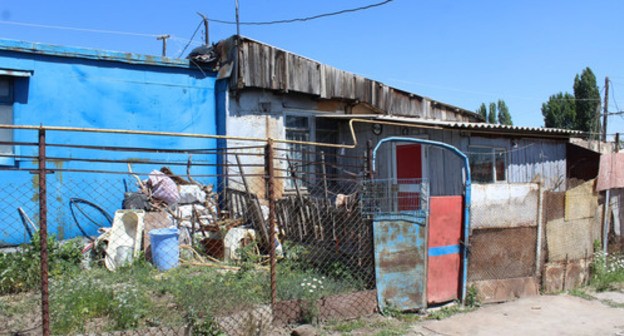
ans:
(225, 236)
(237, 239)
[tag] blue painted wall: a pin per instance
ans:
(99, 89)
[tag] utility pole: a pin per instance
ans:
(237, 21)
(605, 115)
(206, 36)
(164, 45)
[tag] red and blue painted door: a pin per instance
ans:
(443, 267)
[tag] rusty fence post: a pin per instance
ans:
(43, 233)
(369, 159)
(272, 225)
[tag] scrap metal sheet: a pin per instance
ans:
(400, 260)
(581, 202)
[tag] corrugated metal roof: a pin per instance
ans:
(482, 126)
(475, 126)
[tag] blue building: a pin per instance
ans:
(63, 86)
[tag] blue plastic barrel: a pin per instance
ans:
(165, 248)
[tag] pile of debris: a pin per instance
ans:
(191, 209)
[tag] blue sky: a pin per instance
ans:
(459, 52)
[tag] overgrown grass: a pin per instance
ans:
(606, 270)
(447, 312)
(389, 328)
(138, 295)
(348, 326)
(20, 270)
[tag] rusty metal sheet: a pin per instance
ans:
(444, 264)
(502, 290)
(502, 253)
(400, 259)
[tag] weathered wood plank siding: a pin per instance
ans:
(265, 67)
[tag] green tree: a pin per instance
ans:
(504, 117)
(587, 101)
(492, 114)
(560, 111)
(482, 111)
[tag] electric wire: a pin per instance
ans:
(303, 19)
(101, 31)
(191, 39)
(88, 30)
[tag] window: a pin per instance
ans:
(487, 165)
(6, 118)
(307, 159)
(298, 129)
(327, 132)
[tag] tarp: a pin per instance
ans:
(611, 172)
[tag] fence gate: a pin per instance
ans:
(400, 240)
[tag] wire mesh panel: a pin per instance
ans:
(326, 269)
(388, 196)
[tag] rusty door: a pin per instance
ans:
(400, 242)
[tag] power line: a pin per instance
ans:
(303, 19)
(88, 30)
(191, 39)
(612, 88)
(103, 31)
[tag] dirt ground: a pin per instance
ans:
(591, 314)
(541, 315)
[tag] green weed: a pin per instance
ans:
(20, 270)
(472, 297)
(389, 327)
(606, 270)
(138, 295)
(578, 292)
(445, 312)
(395, 331)
(348, 326)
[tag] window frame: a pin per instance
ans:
(493, 152)
(311, 136)
(313, 154)
(8, 101)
